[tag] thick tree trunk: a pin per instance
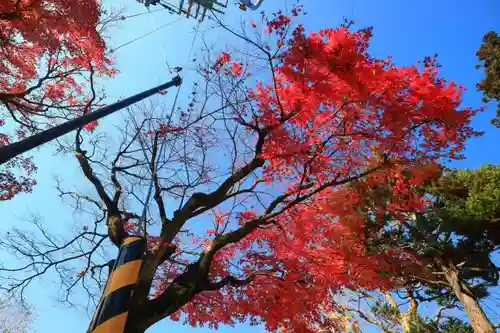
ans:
(478, 320)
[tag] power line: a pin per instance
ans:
(161, 44)
(143, 13)
(142, 220)
(145, 35)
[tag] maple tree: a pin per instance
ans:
(51, 52)
(262, 180)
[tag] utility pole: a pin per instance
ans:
(112, 311)
(10, 151)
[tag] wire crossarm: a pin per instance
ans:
(202, 6)
(251, 4)
(191, 8)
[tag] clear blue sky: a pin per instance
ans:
(407, 30)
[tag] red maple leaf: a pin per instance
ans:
(90, 127)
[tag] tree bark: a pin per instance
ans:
(405, 318)
(478, 320)
(408, 316)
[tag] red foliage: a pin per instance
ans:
(237, 69)
(224, 58)
(90, 127)
(334, 123)
(15, 176)
(334, 113)
(51, 51)
(48, 48)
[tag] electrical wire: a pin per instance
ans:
(142, 220)
(161, 44)
(143, 13)
(145, 35)
(162, 148)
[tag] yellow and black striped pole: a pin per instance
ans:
(111, 265)
(112, 310)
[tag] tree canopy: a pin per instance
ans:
(268, 230)
(489, 55)
(51, 51)
(453, 236)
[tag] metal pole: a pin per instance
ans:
(17, 148)
(112, 312)
(111, 266)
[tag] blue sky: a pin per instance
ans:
(407, 30)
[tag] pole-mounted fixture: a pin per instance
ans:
(10, 151)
